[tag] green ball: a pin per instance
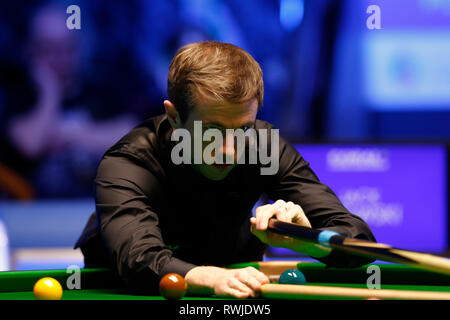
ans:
(292, 276)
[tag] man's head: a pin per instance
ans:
(50, 44)
(212, 71)
(217, 83)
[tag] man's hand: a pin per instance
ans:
(283, 211)
(287, 212)
(237, 283)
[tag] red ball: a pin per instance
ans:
(172, 286)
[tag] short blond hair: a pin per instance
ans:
(214, 71)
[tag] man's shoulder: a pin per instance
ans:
(262, 124)
(147, 138)
(285, 146)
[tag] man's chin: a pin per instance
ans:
(214, 172)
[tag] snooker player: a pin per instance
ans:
(155, 217)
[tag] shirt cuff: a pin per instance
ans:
(177, 266)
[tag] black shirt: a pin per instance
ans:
(154, 217)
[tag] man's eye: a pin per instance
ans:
(209, 128)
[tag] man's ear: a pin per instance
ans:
(172, 114)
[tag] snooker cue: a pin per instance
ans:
(272, 269)
(362, 248)
(292, 291)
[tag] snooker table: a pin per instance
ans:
(96, 284)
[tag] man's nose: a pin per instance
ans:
(229, 148)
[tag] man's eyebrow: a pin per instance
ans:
(213, 124)
(248, 124)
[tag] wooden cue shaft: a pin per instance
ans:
(278, 267)
(288, 291)
(418, 259)
(366, 248)
(272, 269)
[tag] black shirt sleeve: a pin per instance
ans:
(127, 196)
(296, 182)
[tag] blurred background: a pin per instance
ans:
(364, 95)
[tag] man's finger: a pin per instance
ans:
(259, 214)
(236, 293)
(261, 277)
(300, 217)
(262, 219)
(292, 214)
(237, 284)
(250, 282)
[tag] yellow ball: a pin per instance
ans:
(47, 289)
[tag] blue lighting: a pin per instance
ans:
(291, 13)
